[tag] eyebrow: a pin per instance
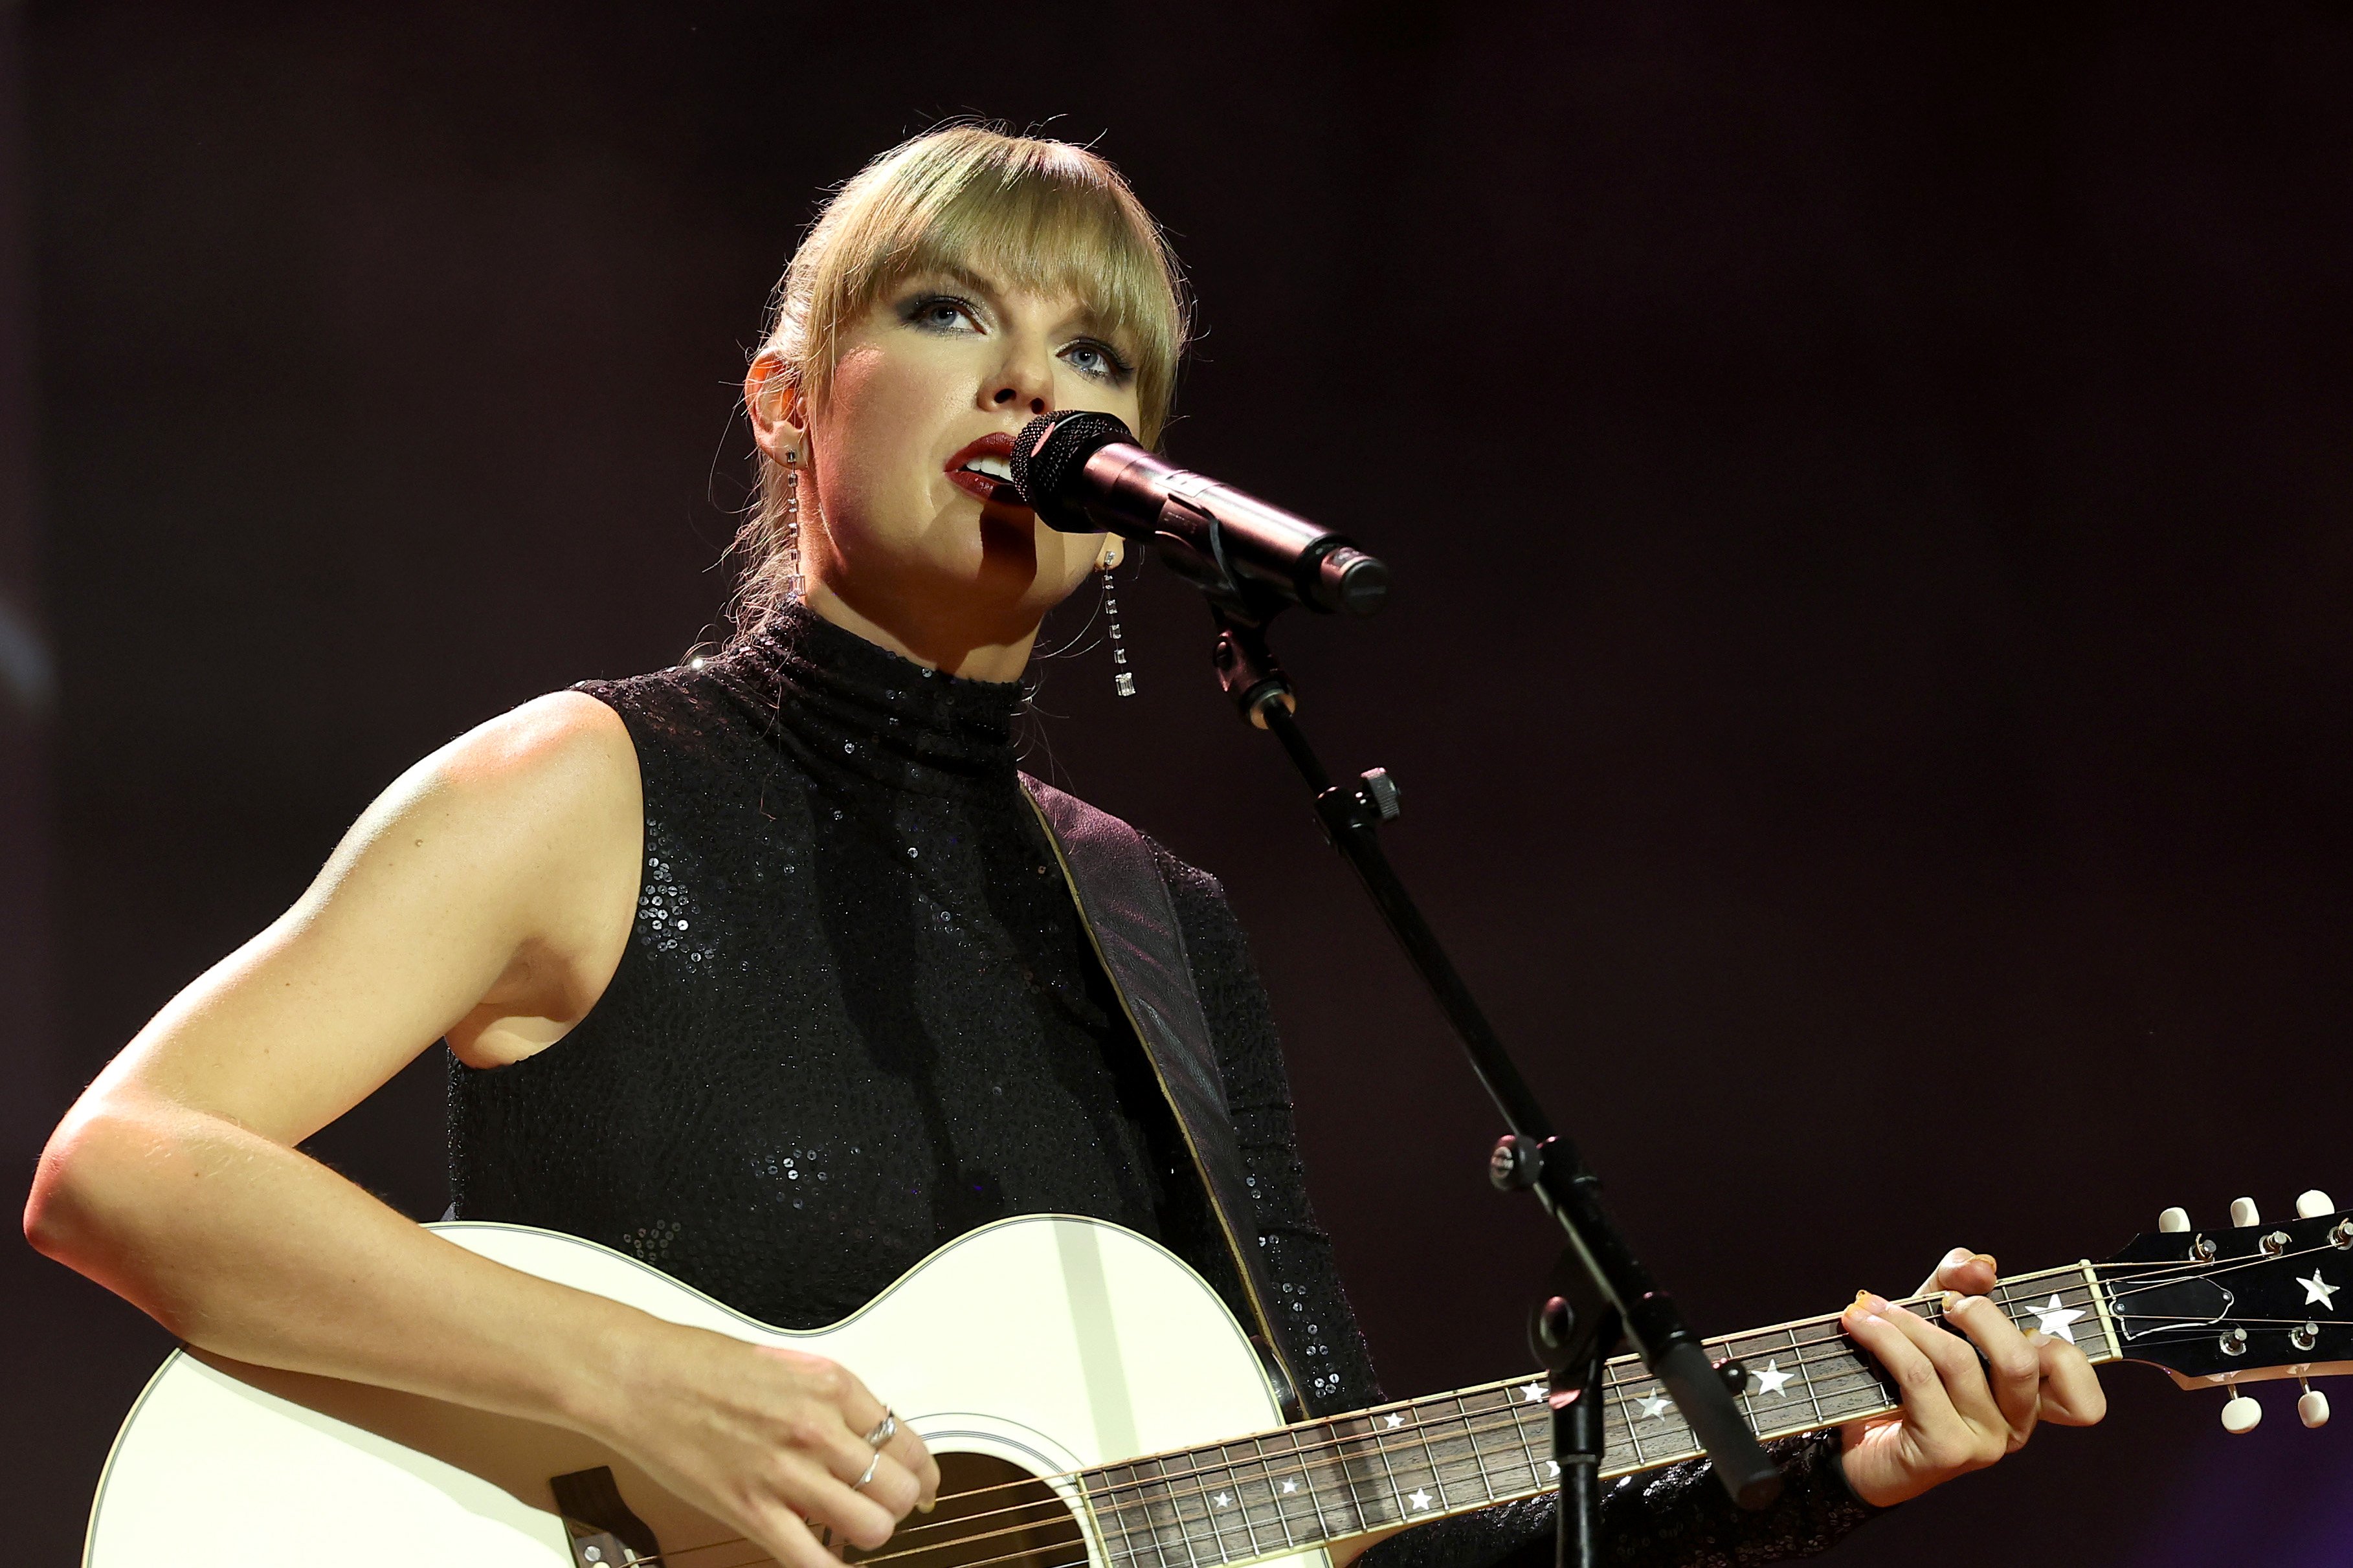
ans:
(1088, 318)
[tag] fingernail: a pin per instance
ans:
(1955, 1258)
(1959, 1302)
(1871, 1305)
(2038, 1339)
(1984, 1257)
(1952, 1302)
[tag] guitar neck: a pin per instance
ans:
(1323, 1482)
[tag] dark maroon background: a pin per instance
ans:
(1869, 488)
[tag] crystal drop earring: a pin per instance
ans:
(788, 553)
(1123, 680)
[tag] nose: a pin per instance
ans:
(1025, 381)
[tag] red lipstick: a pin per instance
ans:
(984, 469)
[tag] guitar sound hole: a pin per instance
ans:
(991, 1511)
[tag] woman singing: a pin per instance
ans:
(765, 970)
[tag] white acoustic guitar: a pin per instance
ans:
(1093, 1404)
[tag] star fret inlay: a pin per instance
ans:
(2318, 1289)
(2054, 1319)
(1771, 1379)
(1655, 1405)
(1418, 1498)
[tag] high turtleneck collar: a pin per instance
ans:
(853, 706)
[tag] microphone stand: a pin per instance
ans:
(1598, 1291)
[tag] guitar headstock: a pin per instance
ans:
(2245, 1303)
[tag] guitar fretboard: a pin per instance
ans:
(1324, 1481)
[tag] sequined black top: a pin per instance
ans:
(858, 1017)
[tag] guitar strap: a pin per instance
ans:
(1131, 920)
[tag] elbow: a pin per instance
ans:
(58, 1211)
(82, 1210)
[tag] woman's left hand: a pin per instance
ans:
(1959, 1413)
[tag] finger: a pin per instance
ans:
(837, 1431)
(852, 1515)
(891, 1486)
(2072, 1395)
(907, 1447)
(2012, 1366)
(1932, 1422)
(1970, 1273)
(1957, 1363)
(782, 1534)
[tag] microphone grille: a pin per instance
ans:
(1052, 445)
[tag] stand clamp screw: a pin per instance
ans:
(1516, 1162)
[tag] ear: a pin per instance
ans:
(779, 417)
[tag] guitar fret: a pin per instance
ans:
(1302, 1475)
(1217, 1495)
(1109, 1516)
(1539, 1462)
(1469, 1426)
(1303, 1486)
(1169, 1517)
(1266, 1477)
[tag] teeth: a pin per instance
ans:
(995, 467)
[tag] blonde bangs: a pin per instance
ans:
(1035, 214)
(1038, 214)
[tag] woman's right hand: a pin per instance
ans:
(772, 1440)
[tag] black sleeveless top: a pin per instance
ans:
(858, 1015)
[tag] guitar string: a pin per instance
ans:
(1619, 1382)
(1472, 1463)
(1261, 1469)
(1622, 1374)
(1614, 1381)
(1423, 1439)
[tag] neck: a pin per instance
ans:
(978, 651)
(1371, 1472)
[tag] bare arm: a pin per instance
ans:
(486, 896)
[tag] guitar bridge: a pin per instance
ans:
(599, 1526)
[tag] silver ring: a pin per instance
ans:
(885, 1432)
(870, 1468)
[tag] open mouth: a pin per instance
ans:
(984, 469)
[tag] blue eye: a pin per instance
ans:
(1096, 360)
(942, 314)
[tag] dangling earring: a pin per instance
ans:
(1122, 680)
(788, 554)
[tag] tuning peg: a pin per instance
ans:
(2312, 1408)
(2243, 1213)
(2242, 1416)
(2313, 1203)
(2173, 1220)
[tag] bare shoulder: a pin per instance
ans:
(565, 751)
(541, 813)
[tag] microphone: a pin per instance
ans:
(1083, 472)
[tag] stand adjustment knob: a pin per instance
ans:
(1380, 793)
(1515, 1162)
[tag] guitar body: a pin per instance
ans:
(1051, 1343)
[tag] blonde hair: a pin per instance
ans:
(1031, 211)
